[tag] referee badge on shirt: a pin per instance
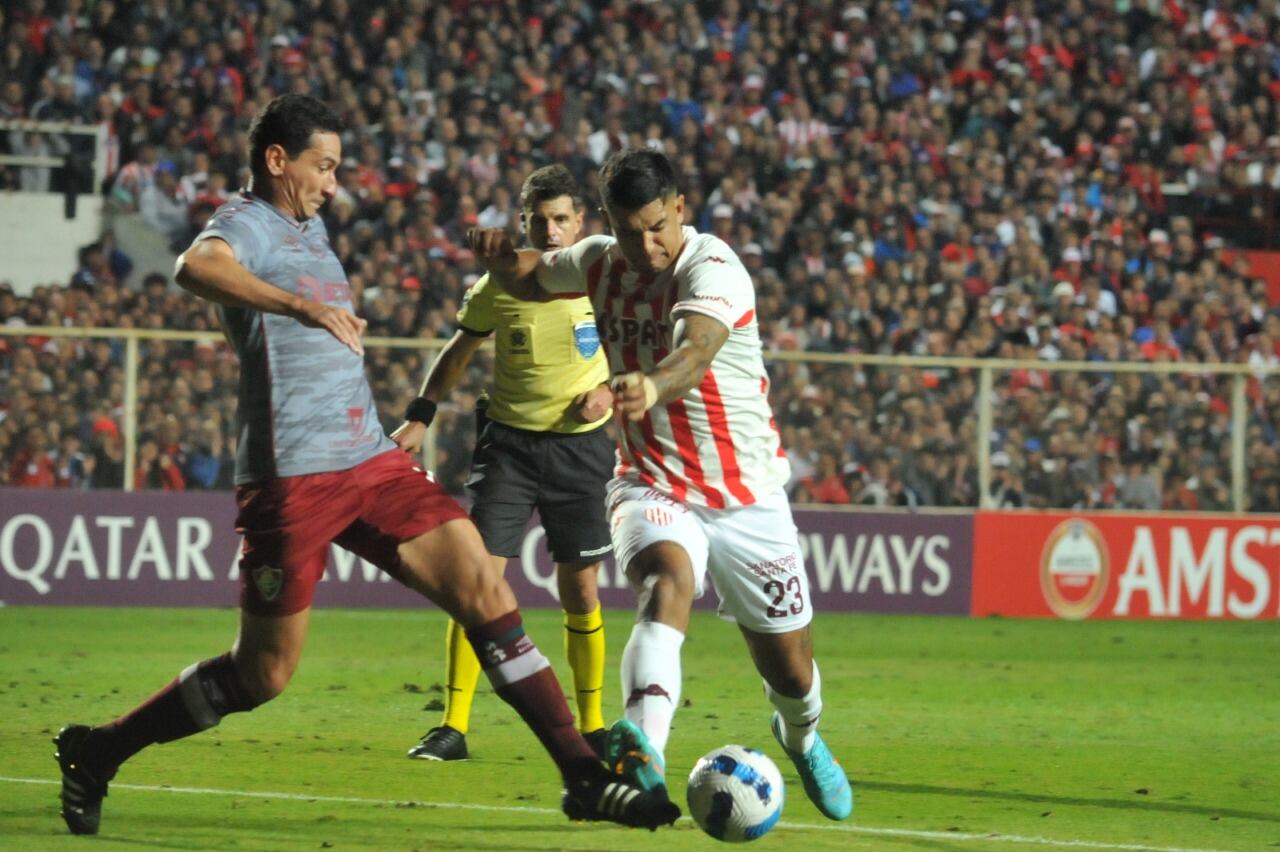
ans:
(520, 340)
(587, 338)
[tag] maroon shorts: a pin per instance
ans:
(369, 509)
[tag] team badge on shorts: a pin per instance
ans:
(269, 581)
(658, 516)
(587, 338)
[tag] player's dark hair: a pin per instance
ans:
(288, 121)
(547, 183)
(635, 177)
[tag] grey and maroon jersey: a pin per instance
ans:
(305, 404)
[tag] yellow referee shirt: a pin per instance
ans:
(547, 354)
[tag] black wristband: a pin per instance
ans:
(422, 410)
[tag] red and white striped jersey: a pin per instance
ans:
(718, 445)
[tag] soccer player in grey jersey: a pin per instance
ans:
(314, 467)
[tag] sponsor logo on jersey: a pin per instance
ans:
(328, 292)
(709, 297)
(1074, 569)
(586, 337)
(629, 330)
(269, 581)
(355, 420)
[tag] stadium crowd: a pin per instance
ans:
(1016, 179)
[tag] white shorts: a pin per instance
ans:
(752, 552)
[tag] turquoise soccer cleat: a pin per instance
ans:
(824, 780)
(629, 753)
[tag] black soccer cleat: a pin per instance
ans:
(601, 796)
(82, 791)
(597, 739)
(441, 743)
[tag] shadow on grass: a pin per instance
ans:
(1136, 804)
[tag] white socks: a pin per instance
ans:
(799, 715)
(651, 679)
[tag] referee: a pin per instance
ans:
(544, 446)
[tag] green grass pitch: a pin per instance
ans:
(958, 733)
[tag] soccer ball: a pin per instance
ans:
(735, 794)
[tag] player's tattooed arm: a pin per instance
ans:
(697, 339)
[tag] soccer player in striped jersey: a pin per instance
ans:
(698, 485)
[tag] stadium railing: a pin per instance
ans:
(986, 369)
(96, 164)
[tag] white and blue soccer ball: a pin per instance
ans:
(735, 794)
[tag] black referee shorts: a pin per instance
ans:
(514, 471)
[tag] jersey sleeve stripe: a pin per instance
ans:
(731, 472)
(745, 319)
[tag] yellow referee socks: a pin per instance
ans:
(461, 672)
(584, 646)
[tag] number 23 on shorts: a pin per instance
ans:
(779, 591)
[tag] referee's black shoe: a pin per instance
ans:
(441, 743)
(82, 790)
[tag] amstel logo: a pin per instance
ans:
(1074, 569)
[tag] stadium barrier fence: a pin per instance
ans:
(987, 371)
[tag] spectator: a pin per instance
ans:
(825, 485)
(1006, 492)
(156, 469)
(32, 466)
(161, 205)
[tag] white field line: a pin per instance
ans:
(954, 836)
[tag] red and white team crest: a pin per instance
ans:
(355, 420)
(657, 515)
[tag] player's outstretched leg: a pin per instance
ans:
(90, 757)
(628, 752)
(825, 782)
(522, 677)
(795, 727)
(83, 789)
